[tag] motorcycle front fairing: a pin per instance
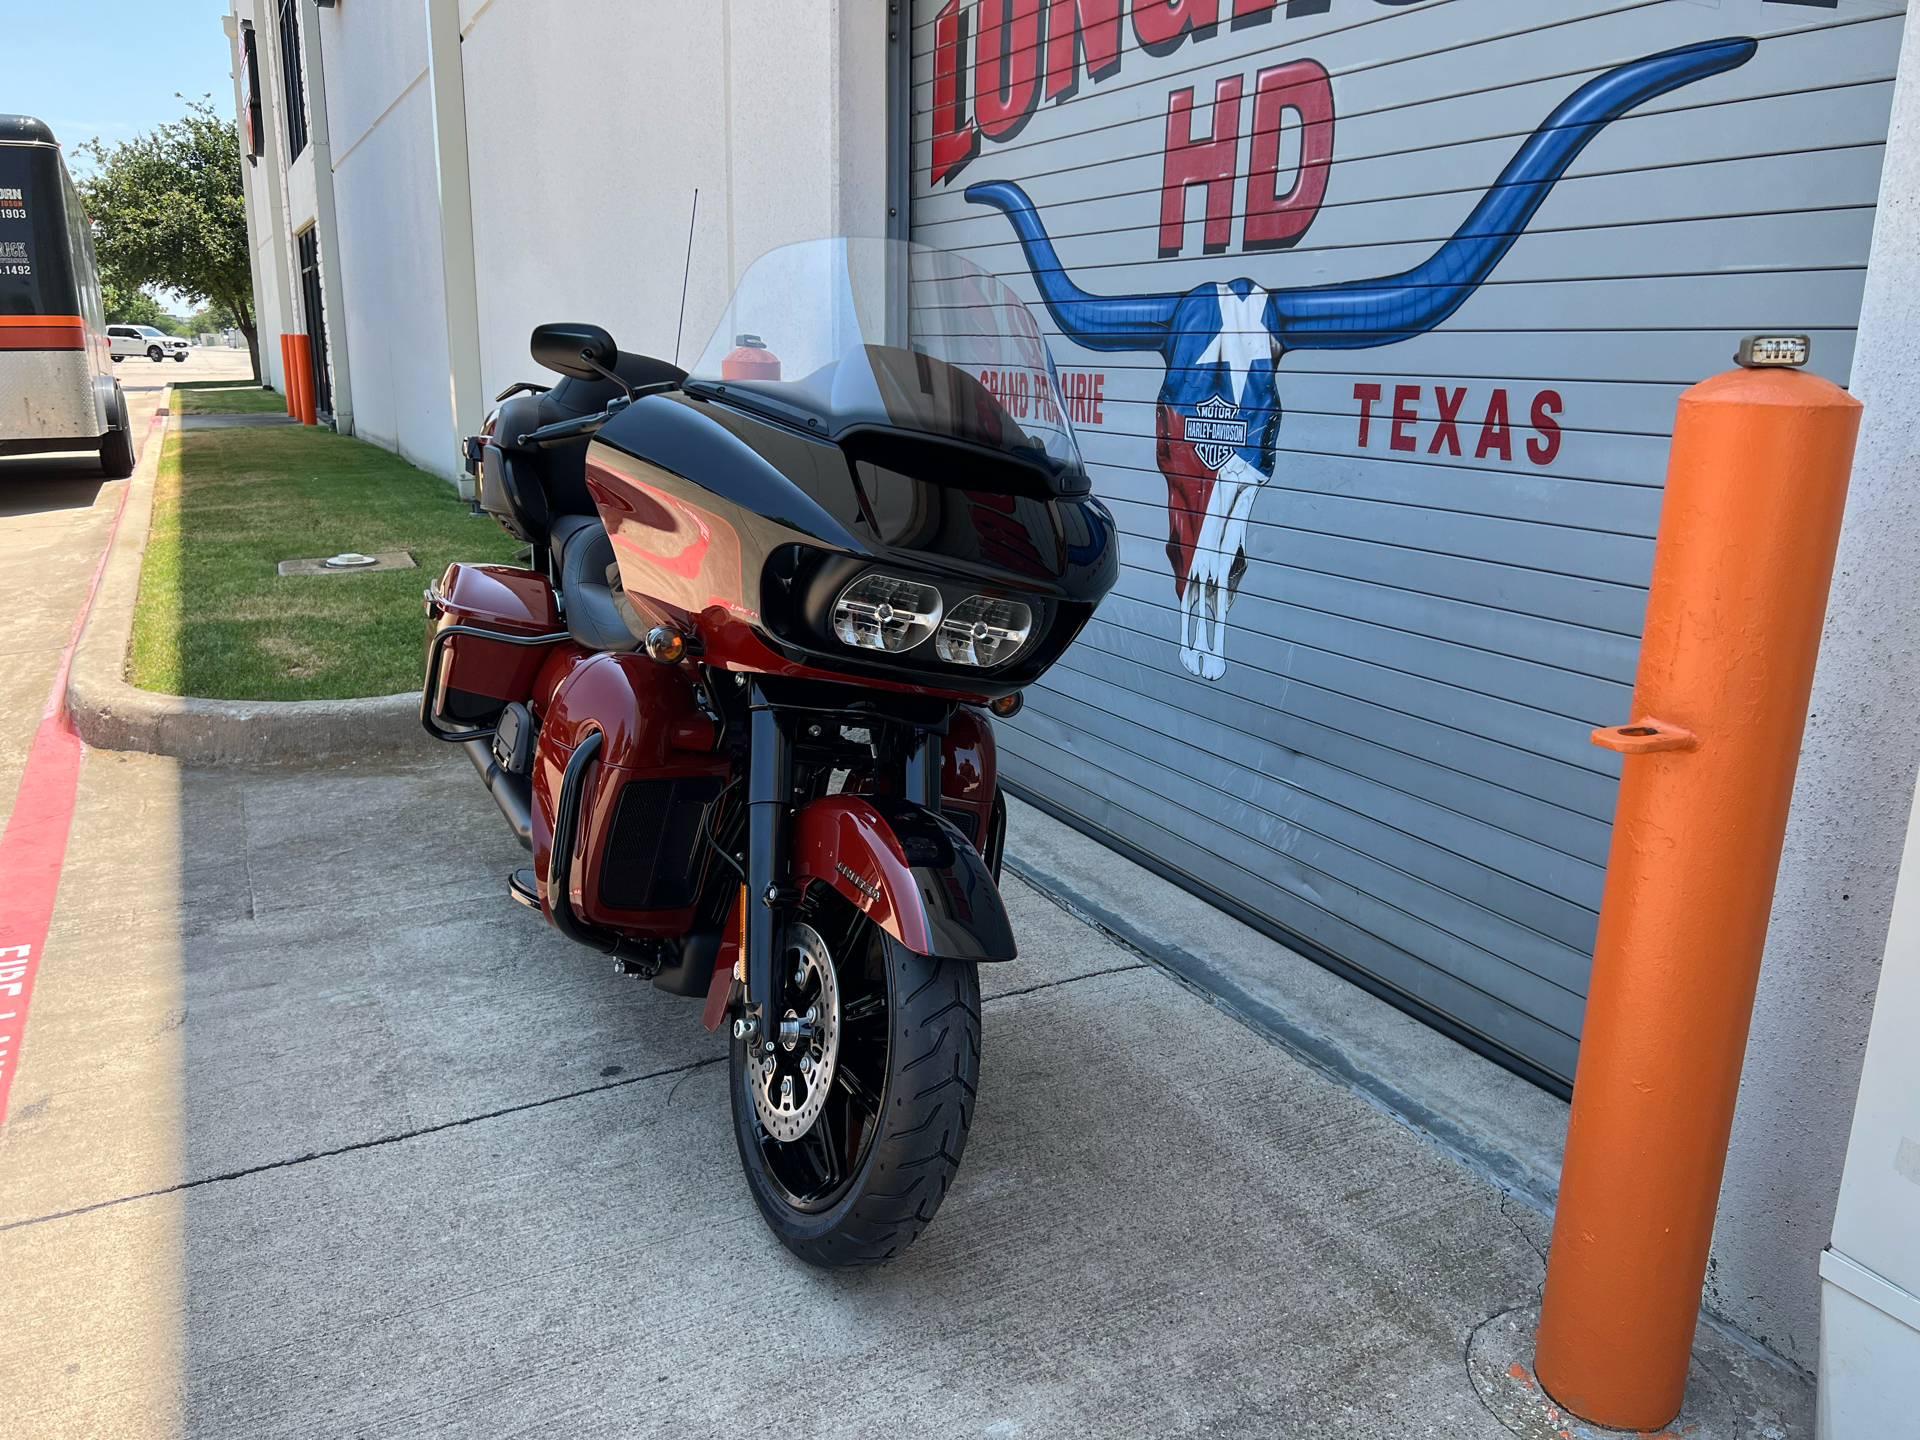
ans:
(740, 509)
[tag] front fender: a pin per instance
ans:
(910, 870)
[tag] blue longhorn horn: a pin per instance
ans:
(1359, 313)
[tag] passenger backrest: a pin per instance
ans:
(566, 465)
(528, 490)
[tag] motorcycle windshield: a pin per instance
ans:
(845, 336)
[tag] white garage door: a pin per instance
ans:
(1372, 317)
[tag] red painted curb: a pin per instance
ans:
(34, 846)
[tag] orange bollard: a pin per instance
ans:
(286, 372)
(1756, 484)
(304, 410)
(296, 377)
(303, 353)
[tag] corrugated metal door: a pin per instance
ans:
(1372, 317)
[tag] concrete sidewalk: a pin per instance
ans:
(318, 1134)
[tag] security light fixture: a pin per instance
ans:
(1762, 352)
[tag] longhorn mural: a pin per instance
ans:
(1218, 411)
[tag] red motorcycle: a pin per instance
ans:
(738, 704)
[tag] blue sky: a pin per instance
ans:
(110, 67)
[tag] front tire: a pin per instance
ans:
(156, 354)
(861, 1183)
(181, 356)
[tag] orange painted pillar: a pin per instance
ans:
(303, 385)
(1756, 483)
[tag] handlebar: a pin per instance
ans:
(564, 430)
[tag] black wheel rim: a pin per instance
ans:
(816, 1172)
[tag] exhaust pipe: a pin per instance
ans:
(512, 793)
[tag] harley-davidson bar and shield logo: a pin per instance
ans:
(1216, 430)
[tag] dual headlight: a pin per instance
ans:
(885, 612)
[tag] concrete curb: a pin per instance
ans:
(110, 714)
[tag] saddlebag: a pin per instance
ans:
(489, 629)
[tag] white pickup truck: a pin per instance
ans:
(145, 340)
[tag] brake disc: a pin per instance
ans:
(790, 1083)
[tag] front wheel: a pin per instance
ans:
(181, 356)
(156, 354)
(851, 1128)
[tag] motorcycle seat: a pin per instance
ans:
(583, 559)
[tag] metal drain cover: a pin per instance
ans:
(351, 562)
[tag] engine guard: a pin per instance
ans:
(910, 870)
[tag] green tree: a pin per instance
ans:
(127, 306)
(168, 211)
(211, 317)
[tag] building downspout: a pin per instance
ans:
(249, 187)
(899, 120)
(457, 267)
(268, 41)
(314, 58)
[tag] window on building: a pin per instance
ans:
(308, 245)
(250, 117)
(292, 82)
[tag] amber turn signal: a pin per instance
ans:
(665, 645)
(1008, 706)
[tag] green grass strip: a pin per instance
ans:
(216, 620)
(226, 397)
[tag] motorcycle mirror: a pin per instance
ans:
(583, 351)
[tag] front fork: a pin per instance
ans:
(769, 811)
(770, 897)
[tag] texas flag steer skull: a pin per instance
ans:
(1218, 412)
(1214, 443)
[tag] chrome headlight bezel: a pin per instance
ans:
(801, 585)
(981, 625)
(923, 647)
(885, 613)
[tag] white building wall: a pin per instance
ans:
(396, 322)
(1856, 781)
(263, 188)
(1870, 1336)
(379, 107)
(588, 139)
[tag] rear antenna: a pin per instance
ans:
(685, 275)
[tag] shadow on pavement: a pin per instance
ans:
(36, 484)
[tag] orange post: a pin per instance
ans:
(286, 373)
(1756, 483)
(302, 382)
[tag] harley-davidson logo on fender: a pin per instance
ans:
(865, 887)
